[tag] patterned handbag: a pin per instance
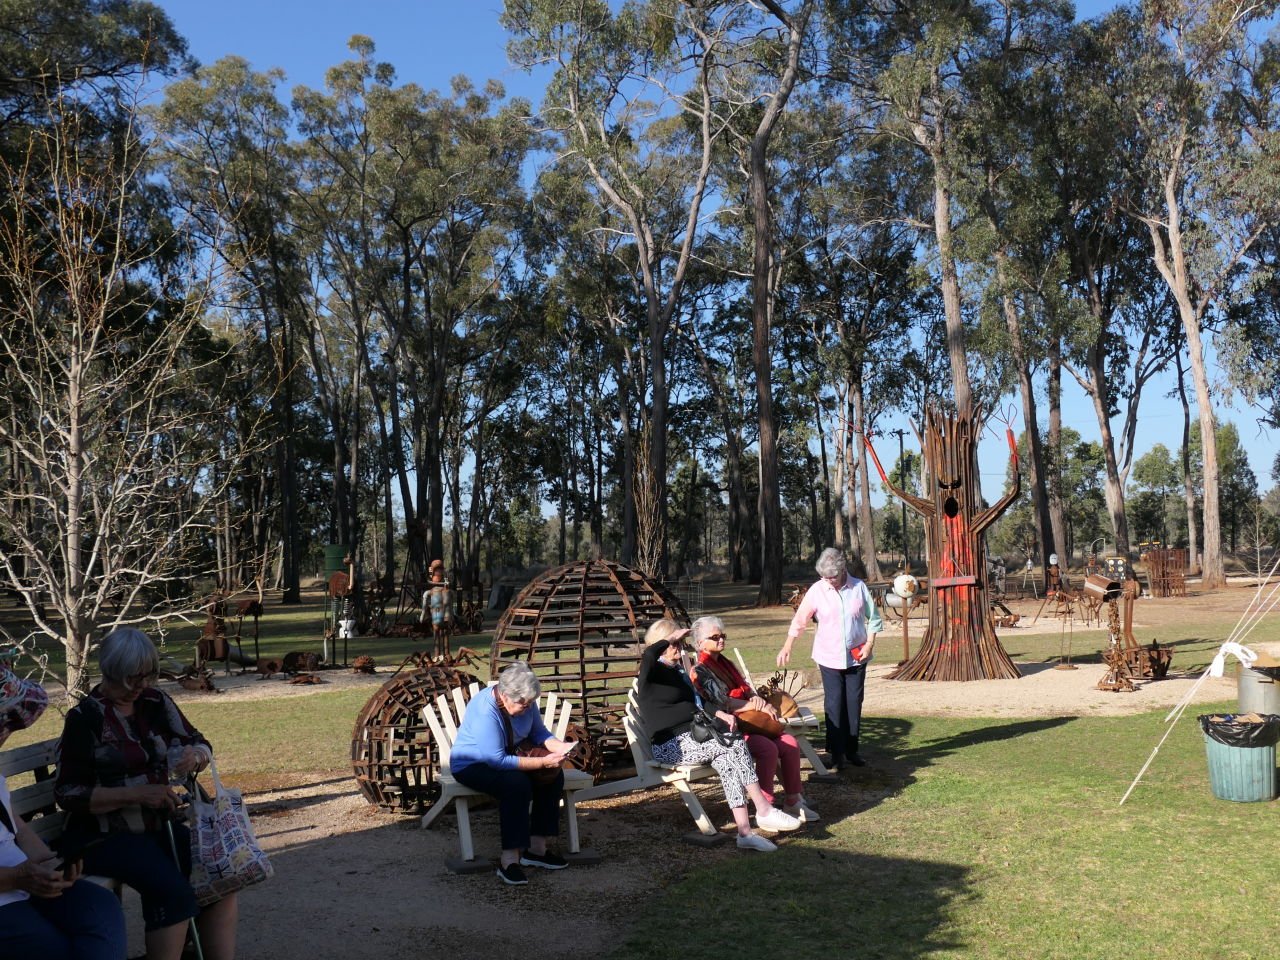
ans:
(225, 856)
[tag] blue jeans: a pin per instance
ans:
(515, 791)
(842, 692)
(84, 923)
(144, 861)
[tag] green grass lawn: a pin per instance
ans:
(998, 838)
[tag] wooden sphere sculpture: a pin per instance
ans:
(580, 627)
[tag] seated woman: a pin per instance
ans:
(45, 912)
(667, 703)
(723, 686)
(484, 758)
(113, 781)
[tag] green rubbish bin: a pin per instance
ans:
(1242, 756)
(334, 553)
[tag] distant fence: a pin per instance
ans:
(690, 593)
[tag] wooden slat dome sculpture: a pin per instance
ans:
(580, 627)
(391, 748)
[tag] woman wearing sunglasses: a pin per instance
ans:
(721, 684)
(667, 702)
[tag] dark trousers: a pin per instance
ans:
(516, 792)
(144, 861)
(83, 923)
(842, 692)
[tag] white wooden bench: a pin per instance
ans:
(651, 773)
(444, 718)
(34, 802)
(803, 720)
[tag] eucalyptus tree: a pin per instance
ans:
(1202, 88)
(853, 296)
(229, 163)
(414, 200)
(595, 300)
(780, 42)
(631, 101)
(1112, 330)
(94, 52)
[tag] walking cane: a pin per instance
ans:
(173, 848)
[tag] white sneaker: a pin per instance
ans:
(775, 821)
(753, 841)
(802, 811)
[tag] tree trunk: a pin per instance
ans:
(951, 289)
(770, 498)
(1188, 484)
(1113, 482)
(865, 519)
(1030, 421)
(1057, 511)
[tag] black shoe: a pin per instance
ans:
(513, 875)
(855, 761)
(547, 861)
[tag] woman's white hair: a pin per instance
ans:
(518, 682)
(703, 627)
(831, 563)
(127, 652)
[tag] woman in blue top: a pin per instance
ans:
(483, 759)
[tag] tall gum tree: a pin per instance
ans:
(1202, 88)
(630, 99)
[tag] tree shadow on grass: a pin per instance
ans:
(806, 902)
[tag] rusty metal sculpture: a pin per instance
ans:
(960, 642)
(1149, 663)
(392, 752)
(1118, 678)
(580, 626)
(1167, 572)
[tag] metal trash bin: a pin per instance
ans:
(1242, 755)
(1258, 690)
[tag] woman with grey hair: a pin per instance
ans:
(484, 758)
(843, 642)
(722, 685)
(114, 769)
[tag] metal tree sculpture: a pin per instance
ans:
(960, 641)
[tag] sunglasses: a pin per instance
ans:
(716, 637)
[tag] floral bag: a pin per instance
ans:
(225, 856)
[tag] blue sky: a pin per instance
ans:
(431, 41)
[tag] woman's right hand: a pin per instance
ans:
(784, 655)
(41, 879)
(158, 796)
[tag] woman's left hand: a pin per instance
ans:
(758, 703)
(193, 761)
(729, 718)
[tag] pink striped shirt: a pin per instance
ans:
(846, 617)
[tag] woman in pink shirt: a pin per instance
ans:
(842, 646)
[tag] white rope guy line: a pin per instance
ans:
(1253, 615)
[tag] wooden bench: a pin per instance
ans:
(651, 773)
(444, 718)
(34, 802)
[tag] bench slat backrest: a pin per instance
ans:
(33, 801)
(638, 737)
(445, 717)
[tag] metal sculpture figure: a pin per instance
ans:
(960, 641)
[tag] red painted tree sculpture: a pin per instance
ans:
(960, 642)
